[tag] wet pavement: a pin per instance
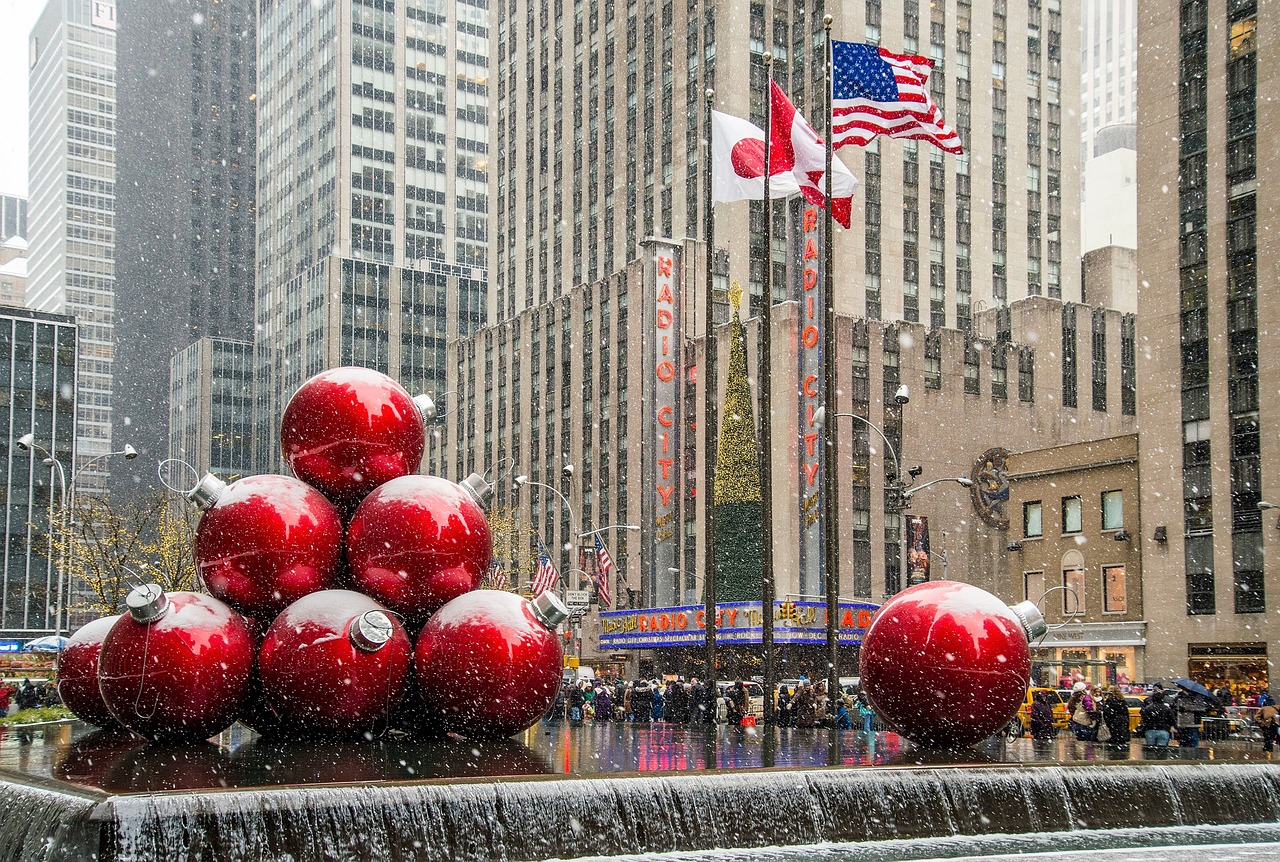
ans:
(239, 758)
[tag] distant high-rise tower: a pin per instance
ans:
(601, 115)
(185, 198)
(71, 262)
(1108, 70)
(13, 217)
(373, 168)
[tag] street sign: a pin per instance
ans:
(577, 599)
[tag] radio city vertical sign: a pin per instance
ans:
(664, 352)
(806, 268)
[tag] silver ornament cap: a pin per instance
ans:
(147, 603)
(480, 490)
(1032, 620)
(549, 610)
(427, 407)
(206, 492)
(371, 631)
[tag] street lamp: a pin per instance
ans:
(66, 498)
(589, 533)
(521, 481)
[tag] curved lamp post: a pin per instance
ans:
(66, 496)
(521, 481)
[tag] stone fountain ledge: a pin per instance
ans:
(544, 818)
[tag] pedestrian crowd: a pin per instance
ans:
(28, 695)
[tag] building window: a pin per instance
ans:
(972, 384)
(1073, 591)
(1026, 374)
(1112, 510)
(1068, 356)
(1032, 586)
(1200, 598)
(933, 361)
(1071, 511)
(1032, 520)
(1113, 590)
(1250, 593)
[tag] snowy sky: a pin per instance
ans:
(17, 17)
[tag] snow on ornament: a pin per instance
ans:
(948, 664)
(348, 430)
(488, 663)
(264, 542)
(334, 662)
(177, 665)
(418, 542)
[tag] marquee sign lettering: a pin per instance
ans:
(736, 623)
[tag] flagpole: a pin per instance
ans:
(710, 429)
(765, 382)
(830, 466)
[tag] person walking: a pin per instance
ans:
(659, 702)
(866, 713)
(806, 707)
(1156, 721)
(1115, 718)
(1041, 722)
(1267, 722)
(603, 704)
(784, 707)
(577, 704)
(1083, 713)
(642, 701)
(1190, 708)
(844, 721)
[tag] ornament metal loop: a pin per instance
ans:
(1072, 617)
(160, 472)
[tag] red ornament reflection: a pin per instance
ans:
(946, 663)
(348, 430)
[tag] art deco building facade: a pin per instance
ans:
(1210, 458)
(373, 172)
(576, 381)
(71, 263)
(37, 396)
(185, 198)
(601, 117)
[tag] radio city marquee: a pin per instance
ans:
(736, 623)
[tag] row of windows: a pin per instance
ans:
(1075, 589)
(1072, 510)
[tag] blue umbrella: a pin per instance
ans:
(50, 643)
(1196, 688)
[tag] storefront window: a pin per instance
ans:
(1241, 668)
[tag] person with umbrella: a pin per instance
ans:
(1191, 704)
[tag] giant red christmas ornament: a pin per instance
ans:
(488, 663)
(348, 430)
(419, 541)
(947, 663)
(78, 673)
(175, 665)
(265, 541)
(335, 662)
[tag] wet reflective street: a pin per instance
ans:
(114, 763)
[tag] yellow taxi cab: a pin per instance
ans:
(1056, 700)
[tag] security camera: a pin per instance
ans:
(903, 395)
(914, 472)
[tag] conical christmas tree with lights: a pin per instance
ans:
(737, 493)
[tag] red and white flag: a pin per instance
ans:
(797, 160)
(602, 579)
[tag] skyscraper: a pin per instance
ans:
(1108, 68)
(1209, 458)
(601, 115)
(13, 217)
(372, 191)
(185, 198)
(71, 263)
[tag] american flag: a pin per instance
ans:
(546, 576)
(602, 579)
(876, 92)
(495, 578)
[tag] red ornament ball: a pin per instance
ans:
(418, 542)
(335, 662)
(78, 673)
(488, 663)
(348, 430)
(265, 542)
(176, 665)
(946, 663)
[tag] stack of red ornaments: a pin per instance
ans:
(319, 586)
